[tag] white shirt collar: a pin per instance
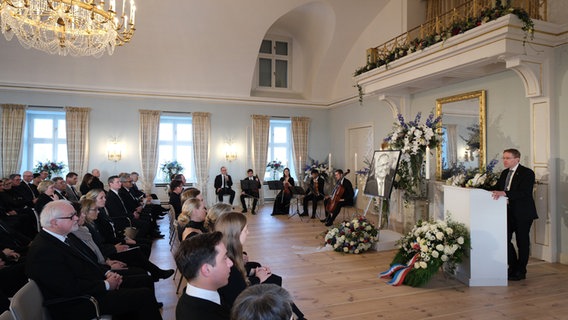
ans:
(514, 168)
(209, 295)
(58, 236)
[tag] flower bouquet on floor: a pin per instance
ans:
(355, 236)
(425, 249)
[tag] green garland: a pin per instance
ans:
(458, 27)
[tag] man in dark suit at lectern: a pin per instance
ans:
(516, 183)
(223, 186)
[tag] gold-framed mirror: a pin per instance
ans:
(464, 133)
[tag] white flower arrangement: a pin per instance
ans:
(427, 247)
(355, 236)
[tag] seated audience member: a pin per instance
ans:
(12, 275)
(134, 204)
(71, 191)
(157, 211)
(56, 263)
(121, 216)
(263, 302)
(96, 182)
(27, 189)
(234, 227)
(179, 177)
(59, 188)
(43, 174)
(251, 192)
(9, 198)
(105, 227)
(192, 218)
(224, 185)
(46, 195)
(86, 183)
(37, 179)
(115, 256)
(191, 193)
(203, 261)
(13, 239)
(176, 187)
(214, 213)
(13, 211)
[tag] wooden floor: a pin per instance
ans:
(331, 285)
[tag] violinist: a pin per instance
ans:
(251, 193)
(282, 201)
(223, 184)
(344, 188)
(314, 193)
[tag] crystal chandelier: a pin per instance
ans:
(75, 27)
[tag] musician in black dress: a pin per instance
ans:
(250, 193)
(346, 199)
(314, 193)
(282, 201)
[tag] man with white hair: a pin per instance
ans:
(62, 270)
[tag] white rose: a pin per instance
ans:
(440, 247)
(460, 240)
(356, 251)
(345, 249)
(444, 258)
(439, 235)
(424, 248)
(416, 265)
(435, 254)
(423, 265)
(449, 231)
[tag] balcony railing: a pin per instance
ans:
(460, 19)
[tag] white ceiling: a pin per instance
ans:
(208, 49)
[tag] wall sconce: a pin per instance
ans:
(230, 153)
(114, 151)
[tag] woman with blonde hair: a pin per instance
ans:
(46, 195)
(191, 219)
(214, 213)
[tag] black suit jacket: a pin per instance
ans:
(61, 271)
(28, 192)
(129, 199)
(219, 182)
(348, 192)
(521, 203)
(115, 206)
(189, 307)
(372, 186)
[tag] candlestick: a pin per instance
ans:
(427, 163)
(329, 160)
(355, 161)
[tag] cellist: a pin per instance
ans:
(342, 195)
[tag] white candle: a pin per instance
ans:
(355, 161)
(427, 163)
(301, 164)
(329, 160)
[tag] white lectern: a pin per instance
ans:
(486, 220)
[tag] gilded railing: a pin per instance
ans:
(447, 25)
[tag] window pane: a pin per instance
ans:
(265, 72)
(43, 128)
(281, 48)
(183, 132)
(42, 152)
(166, 131)
(281, 77)
(61, 130)
(281, 154)
(266, 46)
(185, 156)
(280, 135)
(62, 152)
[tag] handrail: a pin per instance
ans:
(444, 24)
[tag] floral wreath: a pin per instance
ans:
(425, 249)
(355, 236)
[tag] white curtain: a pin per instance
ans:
(149, 130)
(300, 135)
(452, 146)
(13, 116)
(201, 123)
(77, 129)
(260, 131)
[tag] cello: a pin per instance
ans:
(337, 194)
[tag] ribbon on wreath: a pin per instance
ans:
(399, 271)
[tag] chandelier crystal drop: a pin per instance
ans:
(75, 27)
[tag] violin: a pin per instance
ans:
(286, 188)
(337, 194)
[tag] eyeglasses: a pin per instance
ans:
(70, 217)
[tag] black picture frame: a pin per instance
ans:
(380, 178)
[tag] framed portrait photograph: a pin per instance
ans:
(383, 171)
